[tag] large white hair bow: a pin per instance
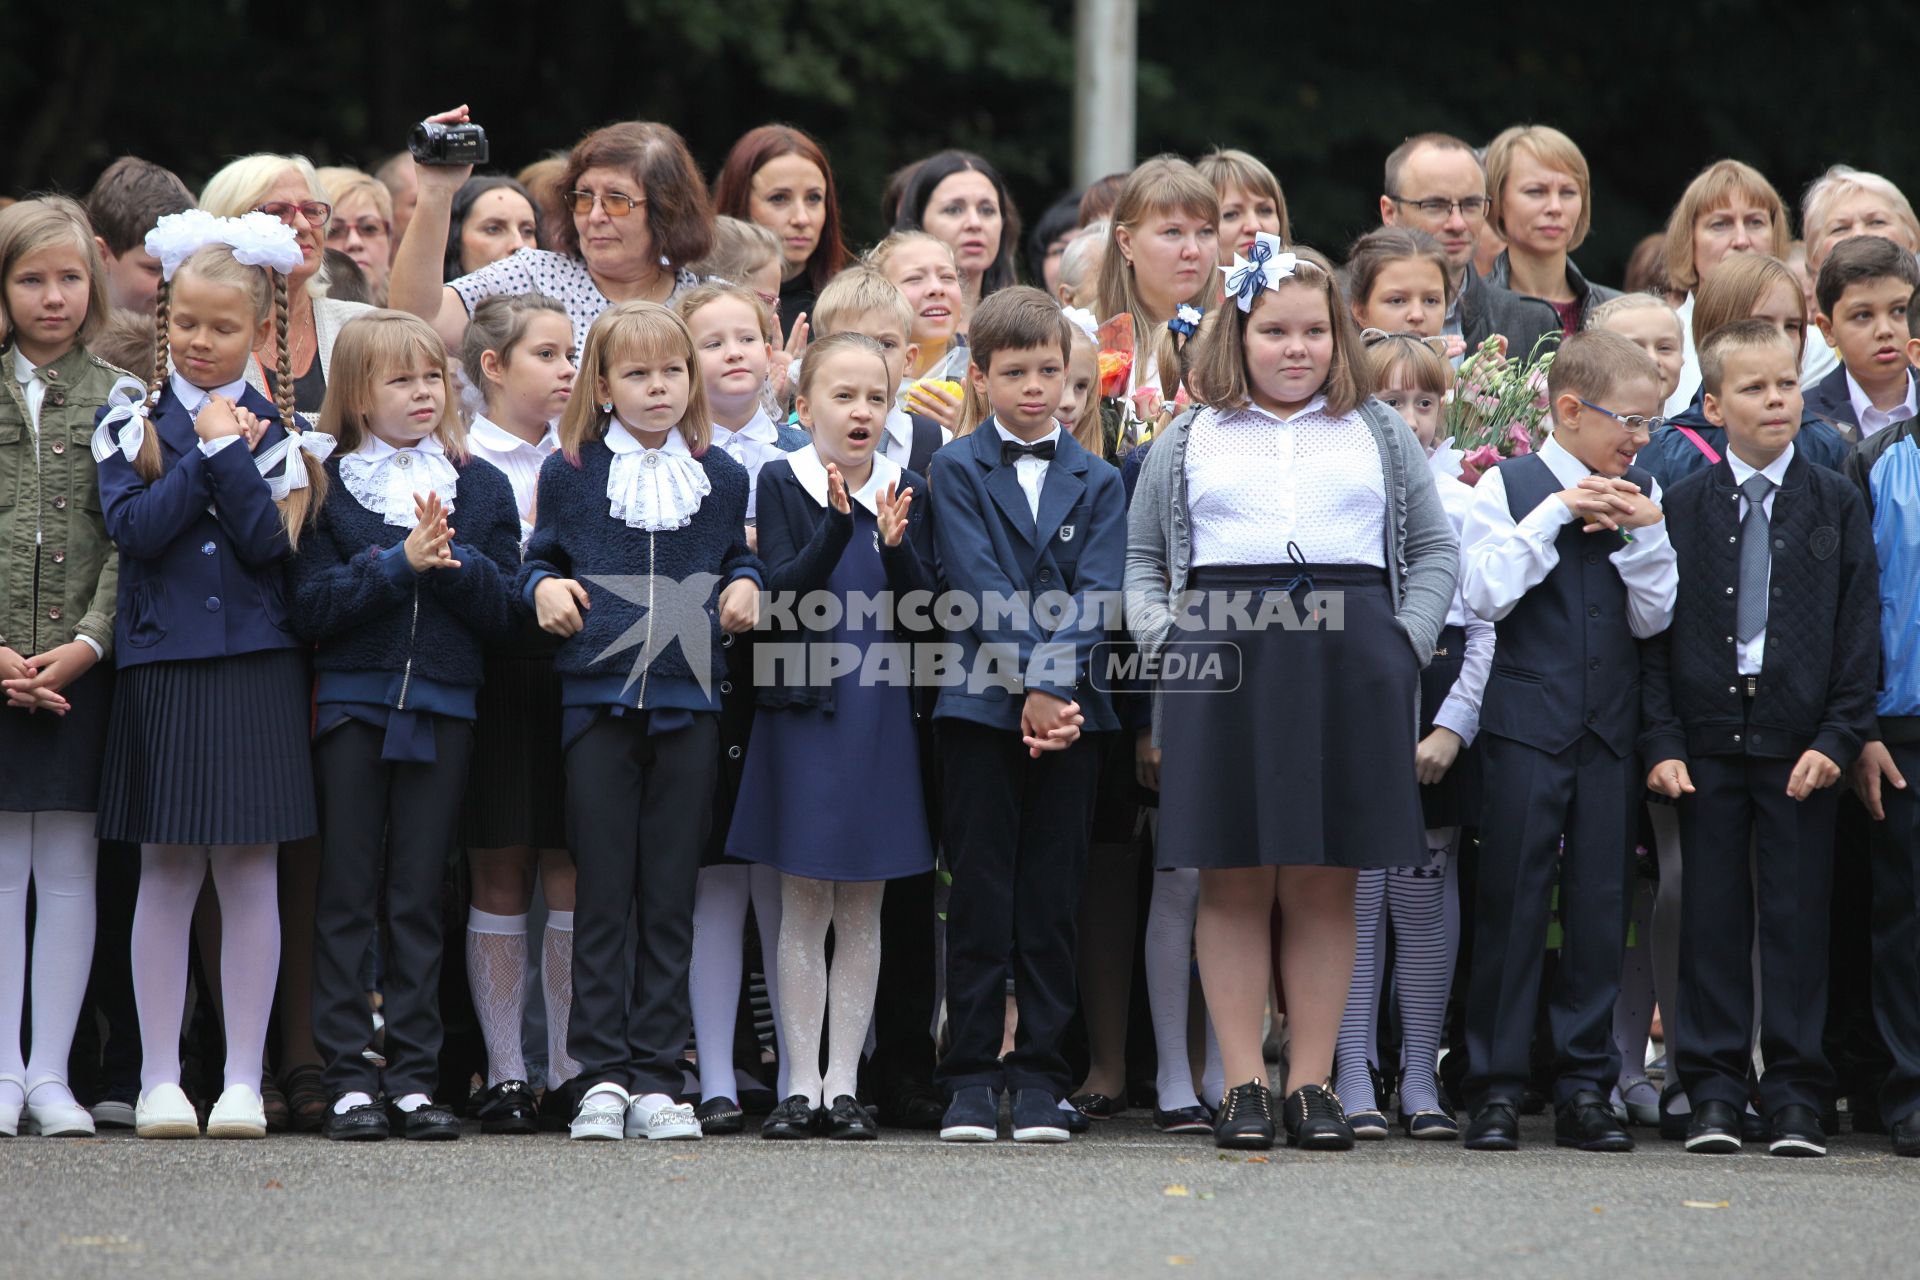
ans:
(1267, 263)
(126, 403)
(257, 240)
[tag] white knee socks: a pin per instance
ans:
(497, 977)
(57, 852)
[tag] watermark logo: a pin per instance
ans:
(671, 609)
(1179, 666)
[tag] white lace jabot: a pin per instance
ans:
(384, 479)
(653, 489)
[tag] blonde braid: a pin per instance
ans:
(146, 463)
(299, 504)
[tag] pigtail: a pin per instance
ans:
(146, 462)
(299, 504)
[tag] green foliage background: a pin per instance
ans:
(1652, 89)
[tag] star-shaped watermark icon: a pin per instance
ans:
(673, 609)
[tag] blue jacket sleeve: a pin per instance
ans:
(546, 555)
(143, 518)
(791, 564)
(243, 504)
(334, 592)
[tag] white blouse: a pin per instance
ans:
(1256, 483)
(518, 460)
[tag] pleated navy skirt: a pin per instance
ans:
(1296, 747)
(517, 789)
(1454, 801)
(210, 752)
(50, 763)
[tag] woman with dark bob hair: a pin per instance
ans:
(494, 217)
(638, 214)
(959, 197)
(778, 177)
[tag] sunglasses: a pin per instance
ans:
(615, 203)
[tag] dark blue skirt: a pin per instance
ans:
(517, 787)
(1296, 749)
(211, 752)
(52, 763)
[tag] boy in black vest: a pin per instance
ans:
(1567, 554)
(1756, 700)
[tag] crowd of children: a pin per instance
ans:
(656, 565)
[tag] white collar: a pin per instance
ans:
(192, 397)
(1316, 405)
(375, 448)
(1566, 468)
(1775, 471)
(490, 434)
(899, 425)
(1010, 438)
(1863, 405)
(811, 472)
(622, 441)
(384, 479)
(759, 428)
(23, 370)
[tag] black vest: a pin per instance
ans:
(1565, 661)
(926, 443)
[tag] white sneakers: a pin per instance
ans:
(10, 1111)
(608, 1113)
(660, 1118)
(603, 1114)
(164, 1112)
(59, 1118)
(238, 1114)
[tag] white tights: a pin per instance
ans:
(1169, 964)
(245, 876)
(56, 851)
(719, 929)
(811, 995)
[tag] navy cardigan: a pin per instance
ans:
(801, 542)
(365, 608)
(197, 583)
(601, 664)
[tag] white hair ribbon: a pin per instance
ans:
(126, 403)
(1264, 267)
(257, 240)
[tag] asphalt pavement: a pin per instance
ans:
(1124, 1201)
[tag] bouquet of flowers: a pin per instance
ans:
(1499, 406)
(1129, 421)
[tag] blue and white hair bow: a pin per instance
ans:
(1264, 267)
(257, 240)
(126, 403)
(1186, 320)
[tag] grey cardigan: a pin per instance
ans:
(1422, 553)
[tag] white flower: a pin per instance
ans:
(262, 240)
(177, 236)
(1187, 312)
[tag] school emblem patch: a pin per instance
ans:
(1066, 533)
(1825, 541)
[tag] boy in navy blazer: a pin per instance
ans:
(1021, 513)
(1756, 699)
(1863, 290)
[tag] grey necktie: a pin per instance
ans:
(1750, 616)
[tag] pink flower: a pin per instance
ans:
(1146, 403)
(1518, 439)
(1475, 462)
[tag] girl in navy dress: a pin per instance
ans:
(205, 488)
(639, 559)
(400, 604)
(831, 796)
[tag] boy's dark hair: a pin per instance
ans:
(1913, 315)
(1857, 260)
(125, 341)
(1741, 335)
(1015, 319)
(346, 282)
(1592, 363)
(130, 197)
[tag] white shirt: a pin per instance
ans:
(753, 447)
(811, 472)
(1030, 471)
(517, 459)
(1819, 359)
(1460, 710)
(1505, 560)
(897, 445)
(1682, 395)
(654, 489)
(194, 399)
(1872, 419)
(1257, 483)
(1753, 652)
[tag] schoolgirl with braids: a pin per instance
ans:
(205, 486)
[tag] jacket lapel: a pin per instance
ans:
(1066, 483)
(176, 426)
(1003, 485)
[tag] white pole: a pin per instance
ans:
(1105, 42)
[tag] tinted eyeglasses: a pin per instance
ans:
(366, 228)
(314, 211)
(617, 204)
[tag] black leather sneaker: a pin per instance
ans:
(1316, 1121)
(1245, 1122)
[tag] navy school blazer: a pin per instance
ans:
(196, 583)
(989, 544)
(1830, 401)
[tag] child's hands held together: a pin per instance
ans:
(219, 417)
(1813, 772)
(37, 683)
(1670, 778)
(1609, 502)
(558, 604)
(1049, 723)
(430, 545)
(1435, 755)
(893, 506)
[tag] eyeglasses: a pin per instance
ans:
(1441, 207)
(1633, 422)
(1435, 342)
(366, 228)
(771, 299)
(314, 211)
(616, 204)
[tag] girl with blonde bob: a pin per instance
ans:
(1542, 206)
(1729, 208)
(399, 605)
(1250, 200)
(1339, 503)
(639, 561)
